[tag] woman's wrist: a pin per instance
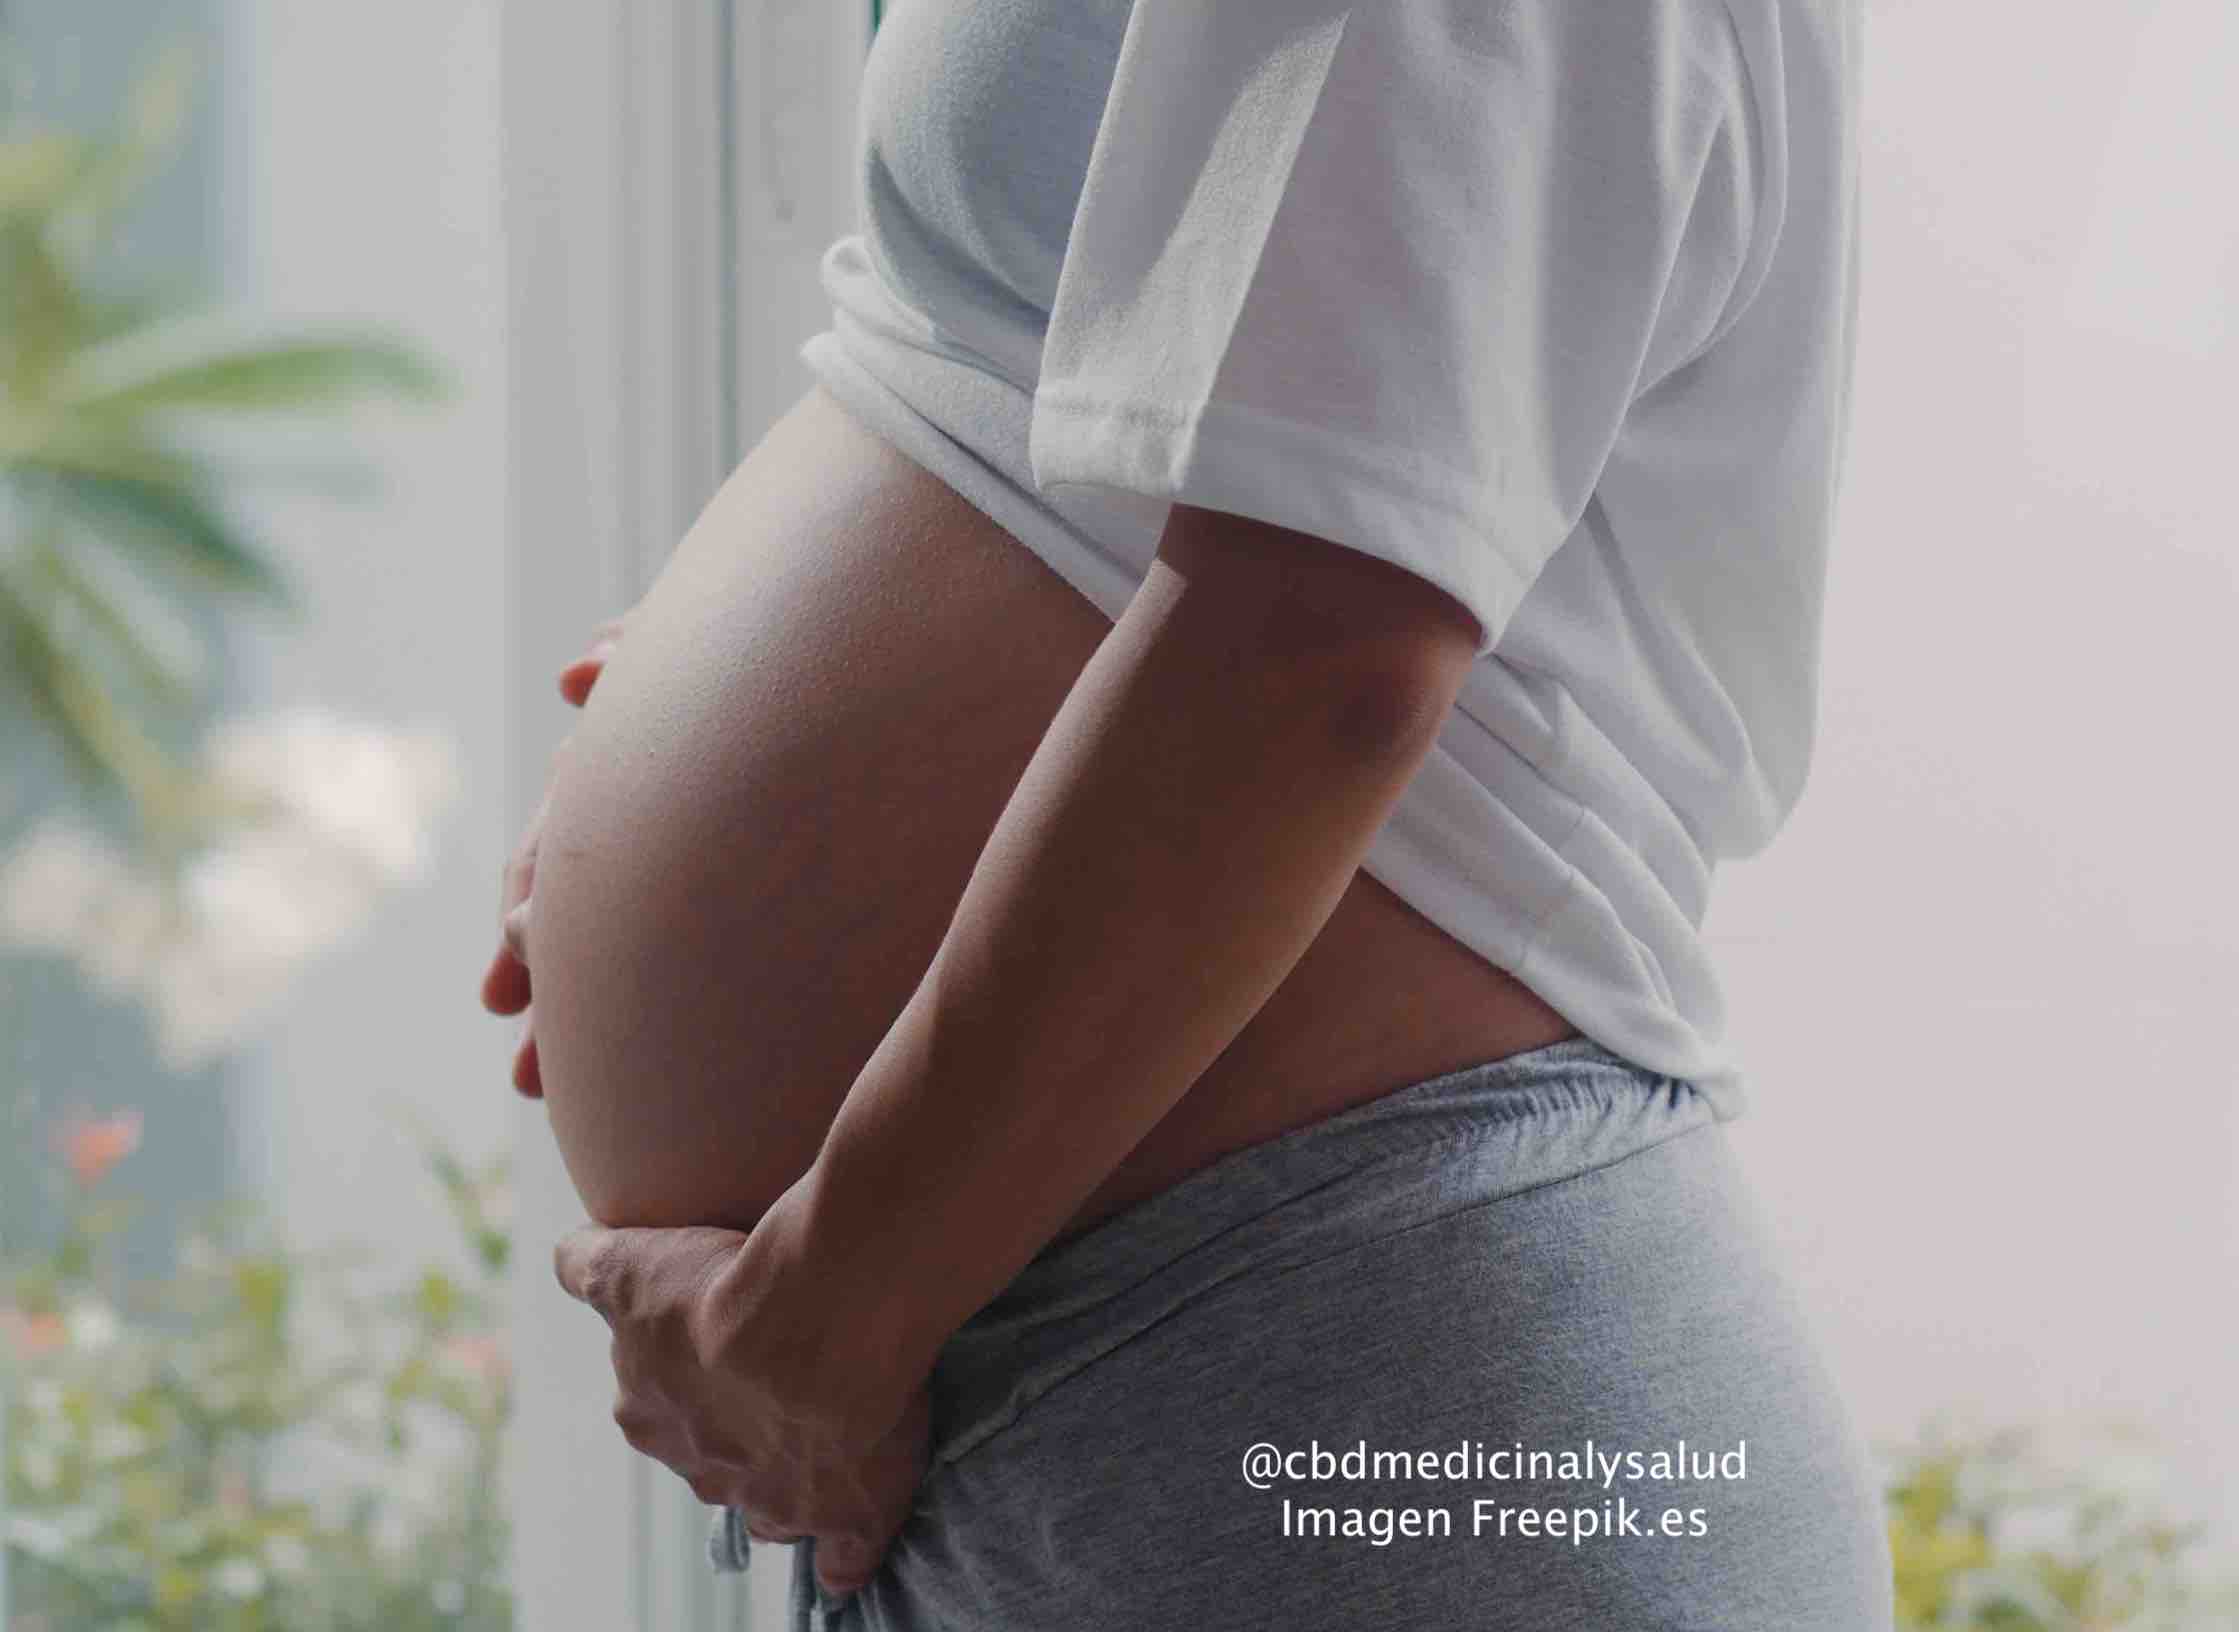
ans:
(807, 1305)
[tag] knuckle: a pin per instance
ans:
(596, 1271)
(636, 1425)
(587, 1270)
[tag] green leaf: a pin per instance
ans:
(263, 1286)
(438, 1298)
(45, 310)
(156, 107)
(163, 662)
(34, 438)
(129, 500)
(449, 1172)
(118, 315)
(291, 374)
(92, 733)
(147, 139)
(494, 1247)
(38, 170)
(339, 477)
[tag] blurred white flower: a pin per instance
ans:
(2106, 1456)
(93, 1325)
(355, 789)
(50, 1538)
(360, 1406)
(2043, 1525)
(339, 811)
(286, 1555)
(40, 1467)
(55, 878)
(238, 1577)
(2051, 1492)
(68, 891)
(117, 1442)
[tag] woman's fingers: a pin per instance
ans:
(528, 1081)
(505, 984)
(577, 679)
(520, 868)
(515, 930)
(519, 876)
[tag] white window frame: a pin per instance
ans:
(672, 176)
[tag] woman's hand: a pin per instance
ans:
(742, 1366)
(505, 984)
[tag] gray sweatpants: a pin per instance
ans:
(1508, 1349)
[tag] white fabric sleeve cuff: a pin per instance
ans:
(1433, 523)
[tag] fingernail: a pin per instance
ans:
(840, 1564)
(528, 1073)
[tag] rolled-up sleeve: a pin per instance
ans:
(1393, 273)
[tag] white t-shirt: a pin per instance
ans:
(1548, 301)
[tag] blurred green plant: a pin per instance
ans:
(262, 1438)
(111, 513)
(1995, 1531)
(152, 1427)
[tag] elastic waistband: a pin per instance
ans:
(1455, 1141)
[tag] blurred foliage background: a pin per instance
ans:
(247, 1436)
(262, 1439)
(114, 525)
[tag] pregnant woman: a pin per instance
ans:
(1116, 952)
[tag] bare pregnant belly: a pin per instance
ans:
(771, 807)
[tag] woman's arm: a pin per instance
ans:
(1190, 821)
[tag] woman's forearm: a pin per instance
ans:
(1191, 819)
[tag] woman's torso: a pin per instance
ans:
(773, 803)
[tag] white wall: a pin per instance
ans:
(1983, 979)
(362, 183)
